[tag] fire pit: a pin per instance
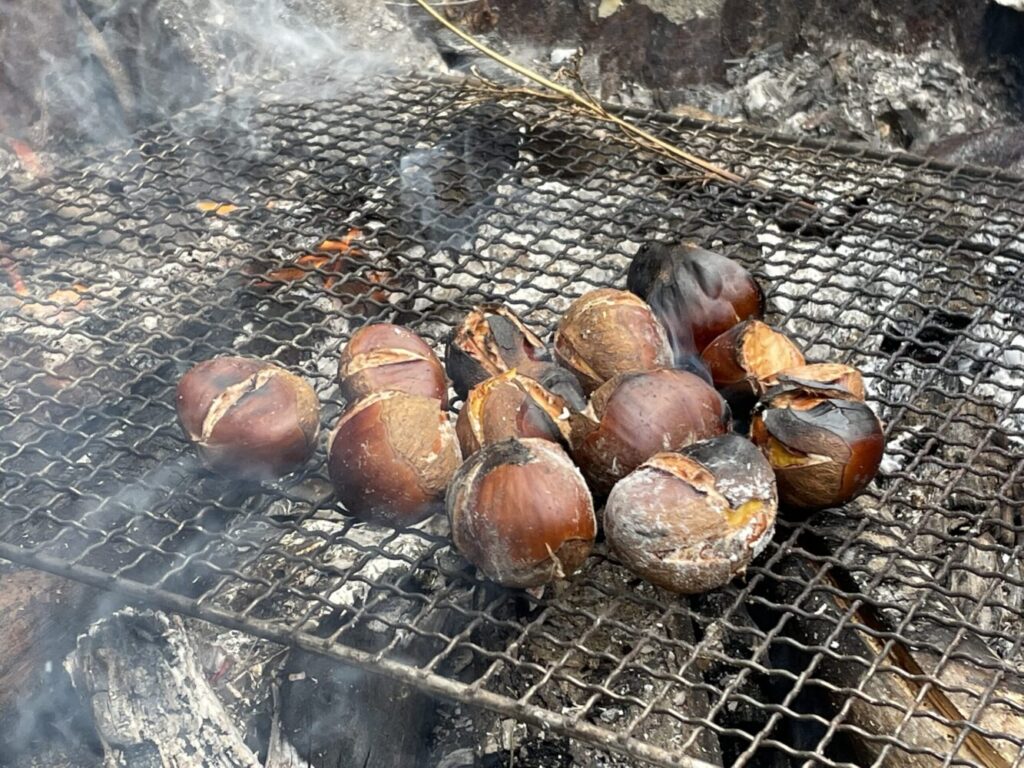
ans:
(886, 631)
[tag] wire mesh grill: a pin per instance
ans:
(889, 630)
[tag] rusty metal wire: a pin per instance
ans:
(860, 632)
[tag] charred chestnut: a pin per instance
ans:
(491, 340)
(510, 405)
(607, 332)
(384, 357)
(821, 379)
(248, 417)
(691, 521)
(636, 415)
(390, 457)
(744, 355)
(697, 294)
(520, 512)
(824, 451)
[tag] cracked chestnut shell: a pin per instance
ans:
(607, 332)
(520, 512)
(390, 458)
(691, 521)
(744, 355)
(636, 415)
(697, 294)
(510, 405)
(384, 357)
(490, 340)
(824, 451)
(248, 417)
(821, 379)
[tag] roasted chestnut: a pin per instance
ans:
(510, 405)
(824, 451)
(822, 379)
(520, 512)
(384, 356)
(744, 355)
(491, 340)
(607, 332)
(636, 415)
(697, 294)
(390, 457)
(248, 417)
(691, 521)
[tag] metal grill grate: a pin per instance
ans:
(883, 632)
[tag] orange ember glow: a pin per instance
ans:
(325, 265)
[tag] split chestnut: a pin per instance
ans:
(385, 357)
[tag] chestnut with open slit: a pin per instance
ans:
(824, 379)
(248, 417)
(521, 512)
(384, 357)
(825, 451)
(390, 458)
(690, 521)
(607, 332)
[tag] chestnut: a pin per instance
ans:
(607, 332)
(383, 356)
(390, 457)
(510, 405)
(636, 415)
(822, 379)
(744, 355)
(697, 294)
(491, 340)
(691, 521)
(248, 417)
(824, 451)
(520, 512)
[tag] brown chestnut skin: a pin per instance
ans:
(636, 415)
(607, 332)
(384, 357)
(744, 355)
(510, 405)
(521, 512)
(490, 340)
(248, 417)
(390, 458)
(824, 451)
(691, 521)
(821, 379)
(697, 294)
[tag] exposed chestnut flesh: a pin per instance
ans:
(607, 332)
(390, 457)
(697, 294)
(248, 417)
(824, 451)
(510, 405)
(743, 356)
(636, 415)
(520, 512)
(384, 357)
(691, 521)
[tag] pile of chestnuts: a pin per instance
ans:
(636, 403)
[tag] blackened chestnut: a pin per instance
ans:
(697, 294)
(390, 458)
(510, 405)
(636, 415)
(821, 379)
(607, 332)
(248, 417)
(824, 451)
(691, 521)
(743, 356)
(491, 340)
(520, 512)
(384, 357)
